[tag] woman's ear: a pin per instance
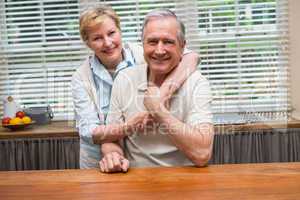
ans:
(87, 43)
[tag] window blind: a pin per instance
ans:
(243, 46)
(41, 47)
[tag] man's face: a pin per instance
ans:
(162, 49)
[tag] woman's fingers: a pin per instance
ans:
(113, 162)
(105, 166)
(101, 165)
(109, 161)
(125, 164)
(116, 160)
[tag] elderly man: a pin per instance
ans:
(180, 134)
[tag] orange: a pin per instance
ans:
(15, 120)
(26, 120)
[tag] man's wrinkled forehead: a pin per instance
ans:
(157, 27)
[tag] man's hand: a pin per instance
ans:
(178, 76)
(139, 121)
(152, 101)
(113, 162)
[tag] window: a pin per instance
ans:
(244, 49)
(41, 48)
(243, 46)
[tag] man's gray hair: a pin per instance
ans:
(163, 13)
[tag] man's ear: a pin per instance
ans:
(183, 45)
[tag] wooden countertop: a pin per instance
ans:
(54, 129)
(273, 181)
(229, 128)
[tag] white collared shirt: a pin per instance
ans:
(87, 116)
(190, 104)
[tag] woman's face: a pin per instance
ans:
(105, 40)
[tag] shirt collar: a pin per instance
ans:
(128, 57)
(99, 69)
(142, 79)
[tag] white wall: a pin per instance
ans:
(294, 28)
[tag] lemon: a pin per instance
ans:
(26, 120)
(16, 120)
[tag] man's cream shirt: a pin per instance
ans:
(191, 105)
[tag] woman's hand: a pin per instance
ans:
(167, 89)
(178, 76)
(113, 162)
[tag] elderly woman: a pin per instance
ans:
(93, 80)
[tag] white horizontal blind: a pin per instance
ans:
(41, 48)
(242, 43)
(243, 46)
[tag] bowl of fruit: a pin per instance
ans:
(19, 122)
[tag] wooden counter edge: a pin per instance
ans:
(54, 129)
(67, 129)
(230, 128)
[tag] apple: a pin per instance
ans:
(6, 120)
(20, 114)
